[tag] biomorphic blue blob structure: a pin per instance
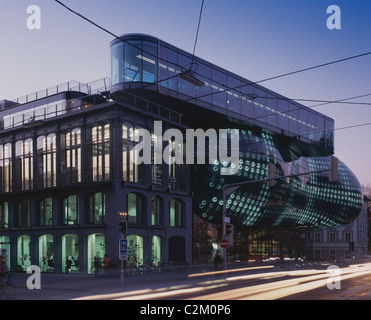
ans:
(300, 201)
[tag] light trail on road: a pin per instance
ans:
(244, 287)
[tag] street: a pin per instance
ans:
(252, 282)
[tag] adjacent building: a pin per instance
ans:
(347, 242)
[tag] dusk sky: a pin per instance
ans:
(254, 39)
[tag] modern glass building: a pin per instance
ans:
(68, 162)
(272, 128)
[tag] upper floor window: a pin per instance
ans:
(158, 168)
(176, 213)
(70, 210)
(96, 208)
(71, 156)
(317, 237)
(4, 215)
(6, 167)
(47, 160)
(99, 152)
(130, 169)
(177, 172)
(347, 237)
(46, 212)
(24, 164)
(135, 208)
(332, 237)
(23, 214)
(156, 215)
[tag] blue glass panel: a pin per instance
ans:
(133, 61)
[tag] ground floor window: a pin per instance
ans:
(5, 249)
(23, 253)
(70, 253)
(46, 253)
(176, 250)
(135, 250)
(96, 251)
(156, 250)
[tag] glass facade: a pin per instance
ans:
(145, 59)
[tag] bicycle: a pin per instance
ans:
(6, 288)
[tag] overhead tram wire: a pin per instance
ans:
(198, 29)
(125, 41)
(227, 88)
(181, 67)
(111, 33)
(187, 74)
